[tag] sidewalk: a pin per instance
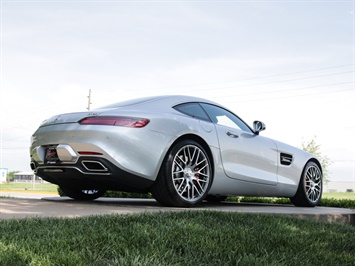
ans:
(25, 205)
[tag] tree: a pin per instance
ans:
(314, 148)
(10, 176)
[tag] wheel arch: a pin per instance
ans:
(200, 141)
(164, 191)
(316, 162)
(310, 197)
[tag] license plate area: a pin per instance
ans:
(51, 155)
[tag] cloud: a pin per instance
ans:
(54, 52)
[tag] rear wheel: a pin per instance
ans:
(82, 194)
(310, 188)
(185, 176)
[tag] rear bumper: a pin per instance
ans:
(137, 151)
(91, 173)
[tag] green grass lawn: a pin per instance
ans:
(45, 187)
(339, 195)
(176, 238)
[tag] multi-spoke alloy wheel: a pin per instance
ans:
(310, 188)
(185, 176)
(313, 183)
(191, 173)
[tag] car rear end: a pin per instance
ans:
(97, 150)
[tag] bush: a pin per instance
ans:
(259, 200)
(117, 194)
(120, 194)
(339, 203)
(326, 202)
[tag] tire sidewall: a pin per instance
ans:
(167, 174)
(302, 186)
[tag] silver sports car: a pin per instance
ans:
(181, 149)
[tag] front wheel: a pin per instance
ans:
(82, 194)
(185, 176)
(309, 192)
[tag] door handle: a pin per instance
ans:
(232, 134)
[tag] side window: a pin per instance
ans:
(192, 109)
(223, 117)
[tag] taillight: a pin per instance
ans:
(115, 121)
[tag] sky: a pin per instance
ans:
(289, 64)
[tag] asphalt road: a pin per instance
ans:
(41, 205)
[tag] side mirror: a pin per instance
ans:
(258, 126)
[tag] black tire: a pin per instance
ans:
(82, 194)
(310, 188)
(215, 199)
(185, 176)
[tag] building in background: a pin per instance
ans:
(3, 175)
(27, 177)
(339, 186)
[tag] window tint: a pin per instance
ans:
(192, 109)
(223, 117)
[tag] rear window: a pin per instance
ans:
(192, 109)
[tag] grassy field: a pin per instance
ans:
(339, 195)
(176, 238)
(45, 187)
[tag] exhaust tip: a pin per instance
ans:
(94, 166)
(33, 167)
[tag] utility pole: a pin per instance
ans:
(89, 100)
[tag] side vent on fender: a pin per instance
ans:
(286, 159)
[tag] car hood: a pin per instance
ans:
(294, 151)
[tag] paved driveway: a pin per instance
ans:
(53, 206)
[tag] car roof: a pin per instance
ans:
(161, 101)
